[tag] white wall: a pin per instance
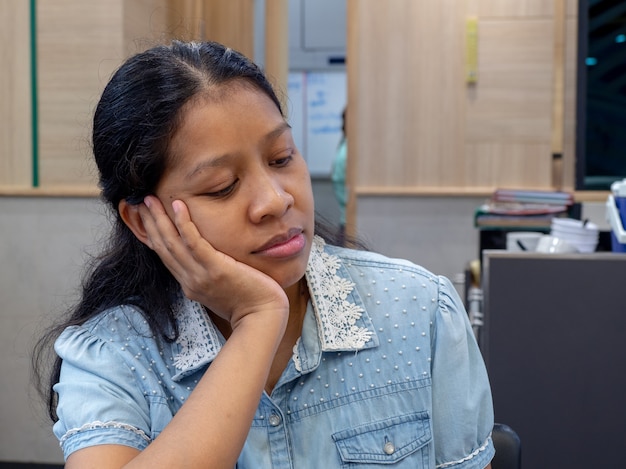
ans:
(435, 232)
(42, 251)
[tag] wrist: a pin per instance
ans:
(270, 322)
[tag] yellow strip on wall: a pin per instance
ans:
(471, 56)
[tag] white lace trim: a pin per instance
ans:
(296, 356)
(337, 317)
(198, 339)
(99, 425)
(468, 457)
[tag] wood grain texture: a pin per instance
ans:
(405, 76)
(15, 93)
(231, 22)
(569, 103)
(80, 44)
(489, 9)
(415, 123)
(277, 46)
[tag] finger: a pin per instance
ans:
(198, 246)
(163, 236)
(181, 247)
(161, 219)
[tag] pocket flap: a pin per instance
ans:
(385, 441)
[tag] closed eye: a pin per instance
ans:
(281, 162)
(223, 192)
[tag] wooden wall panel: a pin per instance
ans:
(15, 94)
(569, 105)
(80, 43)
(571, 8)
(277, 47)
(420, 127)
(231, 22)
(512, 100)
(185, 19)
(491, 164)
(145, 23)
(511, 8)
(416, 123)
(405, 71)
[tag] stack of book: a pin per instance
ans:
(509, 208)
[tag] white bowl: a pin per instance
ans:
(585, 247)
(553, 245)
(571, 222)
(577, 229)
(576, 237)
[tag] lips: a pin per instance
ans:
(283, 244)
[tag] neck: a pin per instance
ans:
(298, 296)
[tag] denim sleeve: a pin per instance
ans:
(462, 407)
(100, 399)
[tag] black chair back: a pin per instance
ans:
(508, 448)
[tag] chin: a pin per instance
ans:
(289, 276)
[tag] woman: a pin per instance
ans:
(218, 330)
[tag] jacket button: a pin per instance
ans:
(389, 448)
(274, 420)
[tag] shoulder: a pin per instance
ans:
(396, 280)
(118, 322)
(117, 325)
(375, 263)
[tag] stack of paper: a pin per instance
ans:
(523, 208)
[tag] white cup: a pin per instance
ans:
(553, 245)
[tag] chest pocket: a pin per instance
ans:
(387, 442)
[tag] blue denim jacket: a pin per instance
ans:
(385, 373)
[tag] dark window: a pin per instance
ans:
(601, 97)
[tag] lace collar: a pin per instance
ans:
(342, 322)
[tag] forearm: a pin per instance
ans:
(211, 427)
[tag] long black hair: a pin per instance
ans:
(134, 121)
(137, 115)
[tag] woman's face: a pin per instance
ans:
(234, 163)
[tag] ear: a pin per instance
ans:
(132, 218)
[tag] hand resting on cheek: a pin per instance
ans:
(229, 288)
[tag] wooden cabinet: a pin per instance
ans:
(418, 125)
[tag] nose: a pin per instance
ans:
(269, 198)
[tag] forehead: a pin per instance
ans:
(224, 116)
(227, 98)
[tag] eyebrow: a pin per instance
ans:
(222, 160)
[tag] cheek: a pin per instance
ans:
(218, 228)
(304, 190)
(307, 196)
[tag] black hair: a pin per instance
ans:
(134, 121)
(138, 113)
